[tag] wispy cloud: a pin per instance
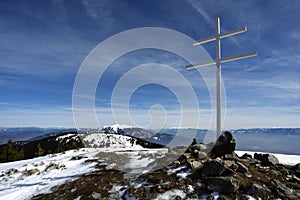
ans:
(46, 116)
(100, 10)
(198, 6)
(7, 104)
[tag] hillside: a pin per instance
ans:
(29, 149)
(56, 143)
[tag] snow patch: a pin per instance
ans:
(171, 194)
(96, 195)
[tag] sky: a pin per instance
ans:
(44, 45)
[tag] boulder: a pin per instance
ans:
(202, 154)
(194, 164)
(197, 147)
(266, 159)
(284, 190)
(225, 144)
(296, 169)
(231, 156)
(224, 197)
(241, 168)
(258, 190)
(246, 156)
(212, 168)
(223, 185)
(186, 155)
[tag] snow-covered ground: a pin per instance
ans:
(23, 179)
(26, 178)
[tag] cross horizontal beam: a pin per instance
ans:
(223, 35)
(222, 60)
(238, 57)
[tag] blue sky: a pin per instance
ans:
(43, 44)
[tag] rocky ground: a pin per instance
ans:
(204, 171)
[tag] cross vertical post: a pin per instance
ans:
(218, 62)
(218, 78)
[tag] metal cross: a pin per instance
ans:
(218, 62)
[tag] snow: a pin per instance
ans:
(49, 171)
(183, 174)
(282, 158)
(140, 160)
(171, 194)
(65, 136)
(101, 139)
(96, 195)
(115, 127)
(172, 171)
(191, 188)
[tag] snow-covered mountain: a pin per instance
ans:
(102, 140)
(116, 127)
(128, 130)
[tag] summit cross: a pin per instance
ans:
(218, 62)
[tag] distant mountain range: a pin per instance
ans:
(29, 133)
(277, 140)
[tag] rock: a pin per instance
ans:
(296, 169)
(194, 164)
(231, 168)
(176, 163)
(266, 159)
(283, 189)
(202, 154)
(295, 178)
(272, 159)
(197, 151)
(224, 197)
(258, 190)
(234, 167)
(212, 168)
(225, 144)
(246, 156)
(223, 185)
(228, 172)
(187, 155)
(194, 141)
(241, 168)
(198, 147)
(231, 156)
(229, 163)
